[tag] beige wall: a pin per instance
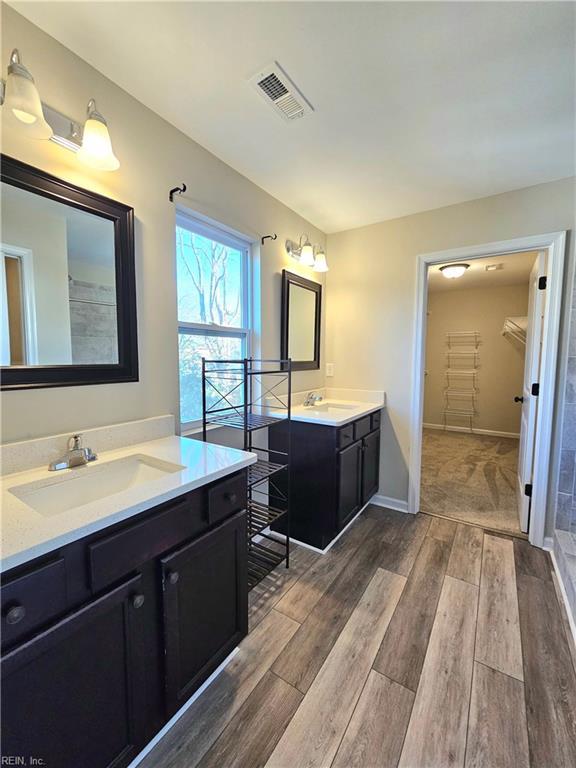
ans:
(45, 235)
(154, 157)
(371, 295)
(501, 360)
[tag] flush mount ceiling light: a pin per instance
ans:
(452, 271)
(307, 254)
(22, 99)
(96, 150)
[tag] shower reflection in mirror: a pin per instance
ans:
(57, 283)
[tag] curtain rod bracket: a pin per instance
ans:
(268, 237)
(177, 191)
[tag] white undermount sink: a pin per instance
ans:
(82, 485)
(327, 407)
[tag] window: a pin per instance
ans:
(213, 307)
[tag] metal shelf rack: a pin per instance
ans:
(461, 390)
(252, 395)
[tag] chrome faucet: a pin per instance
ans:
(75, 456)
(311, 399)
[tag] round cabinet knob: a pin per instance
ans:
(137, 601)
(15, 614)
(173, 577)
(231, 497)
(518, 399)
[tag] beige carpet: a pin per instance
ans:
(470, 478)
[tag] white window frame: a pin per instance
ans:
(223, 237)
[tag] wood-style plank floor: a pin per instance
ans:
(415, 642)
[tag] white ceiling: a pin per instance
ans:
(515, 270)
(417, 105)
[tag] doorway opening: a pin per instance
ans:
(485, 360)
(481, 324)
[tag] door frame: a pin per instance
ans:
(26, 259)
(554, 244)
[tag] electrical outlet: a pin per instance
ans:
(329, 369)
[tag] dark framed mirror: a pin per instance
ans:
(67, 283)
(301, 321)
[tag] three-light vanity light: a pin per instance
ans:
(91, 142)
(307, 254)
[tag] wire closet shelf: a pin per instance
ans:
(461, 378)
(253, 395)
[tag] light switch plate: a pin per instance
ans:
(329, 369)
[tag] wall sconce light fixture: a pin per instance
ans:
(307, 254)
(22, 99)
(96, 150)
(39, 121)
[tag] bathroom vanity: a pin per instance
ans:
(106, 635)
(335, 450)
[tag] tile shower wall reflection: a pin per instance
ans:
(93, 322)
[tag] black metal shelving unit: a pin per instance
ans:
(252, 395)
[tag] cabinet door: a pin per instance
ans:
(349, 468)
(205, 589)
(370, 465)
(75, 694)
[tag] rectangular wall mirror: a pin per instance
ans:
(301, 321)
(67, 285)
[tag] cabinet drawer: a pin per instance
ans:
(345, 436)
(33, 599)
(226, 498)
(118, 554)
(361, 427)
(376, 420)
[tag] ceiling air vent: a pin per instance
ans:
(274, 85)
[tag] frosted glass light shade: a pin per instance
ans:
(452, 271)
(23, 101)
(96, 150)
(320, 264)
(307, 255)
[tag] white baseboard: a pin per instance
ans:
(173, 720)
(280, 536)
(473, 431)
(399, 505)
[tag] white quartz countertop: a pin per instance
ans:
(27, 533)
(334, 413)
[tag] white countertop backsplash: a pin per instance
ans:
(39, 452)
(26, 533)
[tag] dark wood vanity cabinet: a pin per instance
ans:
(349, 470)
(131, 622)
(370, 479)
(74, 694)
(334, 471)
(204, 608)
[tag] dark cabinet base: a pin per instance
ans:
(75, 694)
(333, 473)
(110, 635)
(205, 607)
